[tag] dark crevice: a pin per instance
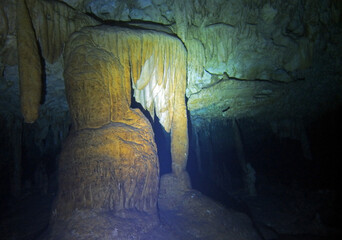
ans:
(220, 24)
(43, 77)
(135, 24)
(161, 137)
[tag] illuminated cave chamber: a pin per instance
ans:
(263, 99)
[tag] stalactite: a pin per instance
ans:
(16, 142)
(50, 24)
(3, 25)
(159, 85)
(247, 169)
(53, 23)
(109, 161)
(101, 62)
(210, 151)
(196, 63)
(198, 152)
(30, 69)
(156, 64)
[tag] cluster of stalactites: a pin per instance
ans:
(155, 62)
(53, 23)
(160, 77)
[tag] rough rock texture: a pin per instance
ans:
(226, 40)
(111, 168)
(50, 24)
(109, 162)
(272, 44)
(30, 69)
(246, 39)
(114, 142)
(155, 63)
(8, 40)
(199, 217)
(53, 23)
(90, 224)
(273, 66)
(159, 86)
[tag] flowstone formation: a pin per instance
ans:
(112, 150)
(158, 74)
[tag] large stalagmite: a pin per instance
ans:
(158, 74)
(109, 161)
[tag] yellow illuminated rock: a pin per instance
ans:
(53, 24)
(30, 69)
(114, 167)
(154, 62)
(110, 160)
(50, 24)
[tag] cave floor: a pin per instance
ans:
(280, 215)
(25, 218)
(285, 213)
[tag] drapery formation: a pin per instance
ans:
(156, 65)
(110, 160)
(157, 68)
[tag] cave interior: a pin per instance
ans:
(221, 119)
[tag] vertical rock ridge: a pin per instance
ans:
(48, 23)
(30, 69)
(54, 22)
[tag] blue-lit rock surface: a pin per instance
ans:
(262, 42)
(245, 45)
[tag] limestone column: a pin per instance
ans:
(109, 161)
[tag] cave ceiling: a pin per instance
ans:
(267, 60)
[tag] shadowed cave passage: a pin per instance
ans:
(162, 139)
(163, 142)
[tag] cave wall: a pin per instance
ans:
(275, 63)
(32, 148)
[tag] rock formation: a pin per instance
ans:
(29, 65)
(109, 161)
(100, 64)
(42, 28)
(273, 66)
(151, 83)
